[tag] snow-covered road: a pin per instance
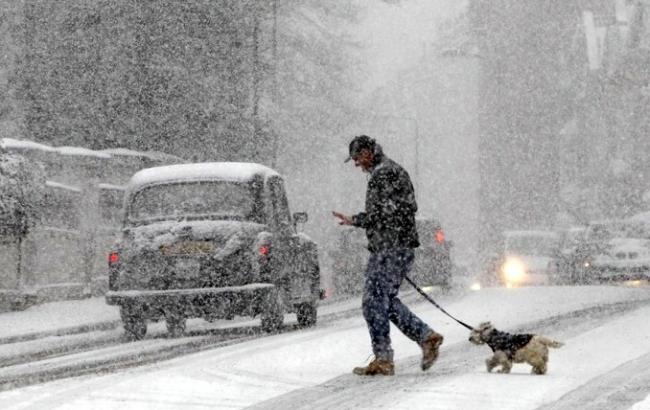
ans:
(311, 368)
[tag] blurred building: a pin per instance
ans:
(562, 111)
(79, 218)
(427, 120)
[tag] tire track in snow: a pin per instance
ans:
(617, 390)
(109, 353)
(349, 391)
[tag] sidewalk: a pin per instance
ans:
(82, 315)
(58, 318)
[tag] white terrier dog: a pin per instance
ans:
(517, 348)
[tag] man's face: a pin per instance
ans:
(363, 160)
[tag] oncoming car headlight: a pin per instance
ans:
(513, 270)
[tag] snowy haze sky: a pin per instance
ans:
(395, 35)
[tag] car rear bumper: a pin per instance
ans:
(215, 302)
(530, 279)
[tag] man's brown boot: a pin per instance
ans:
(430, 348)
(376, 367)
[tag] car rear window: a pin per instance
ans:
(531, 245)
(229, 200)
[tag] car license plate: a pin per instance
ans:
(187, 267)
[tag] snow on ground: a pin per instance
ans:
(591, 353)
(49, 317)
(251, 372)
(642, 405)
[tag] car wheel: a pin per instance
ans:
(307, 314)
(272, 316)
(576, 277)
(445, 286)
(175, 324)
(135, 326)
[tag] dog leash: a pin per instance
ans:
(433, 302)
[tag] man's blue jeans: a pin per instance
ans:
(384, 275)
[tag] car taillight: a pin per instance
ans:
(440, 236)
(264, 250)
(113, 258)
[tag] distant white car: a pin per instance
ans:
(526, 258)
(623, 259)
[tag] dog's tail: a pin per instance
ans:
(549, 342)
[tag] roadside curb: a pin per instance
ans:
(106, 325)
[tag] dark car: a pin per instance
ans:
(211, 240)
(432, 267)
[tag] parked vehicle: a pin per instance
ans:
(613, 250)
(578, 265)
(573, 258)
(211, 240)
(623, 259)
(525, 257)
(432, 267)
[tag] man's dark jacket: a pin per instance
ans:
(389, 219)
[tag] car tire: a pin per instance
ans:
(135, 326)
(307, 314)
(577, 277)
(445, 286)
(175, 324)
(272, 316)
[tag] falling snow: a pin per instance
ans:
(169, 169)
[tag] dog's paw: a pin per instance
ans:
(488, 365)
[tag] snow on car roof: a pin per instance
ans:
(10, 143)
(629, 244)
(82, 151)
(229, 171)
(154, 155)
(126, 152)
(54, 184)
(21, 145)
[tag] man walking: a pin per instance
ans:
(389, 221)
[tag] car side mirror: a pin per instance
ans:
(300, 218)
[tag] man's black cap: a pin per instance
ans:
(358, 143)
